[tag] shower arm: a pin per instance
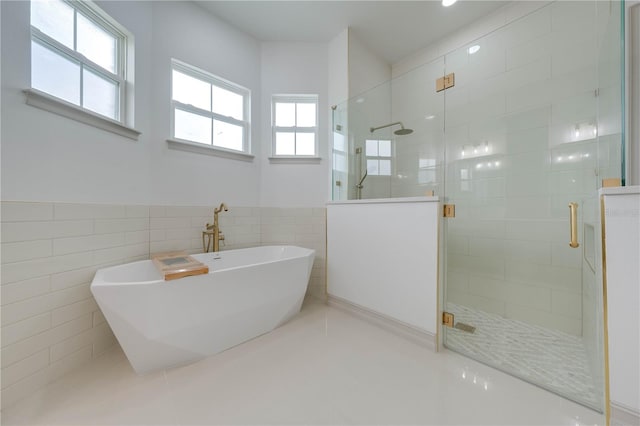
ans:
(373, 129)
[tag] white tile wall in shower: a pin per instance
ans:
(50, 252)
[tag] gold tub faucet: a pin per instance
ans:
(213, 231)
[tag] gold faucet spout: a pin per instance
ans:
(214, 229)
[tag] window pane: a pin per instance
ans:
(371, 148)
(192, 127)
(99, 94)
(306, 115)
(55, 74)
(227, 103)
(372, 167)
(285, 143)
(305, 143)
(385, 168)
(285, 114)
(384, 148)
(55, 19)
(96, 44)
(191, 91)
(227, 135)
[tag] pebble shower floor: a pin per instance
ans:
(535, 354)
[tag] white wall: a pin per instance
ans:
(46, 157)
(187, 32)
(338, 64)
(383, 257)
(294, 68)
(366, 70)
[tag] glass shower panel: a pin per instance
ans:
(522, 143)
(388, 142)
(419, 156)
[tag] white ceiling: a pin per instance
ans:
(391, 29)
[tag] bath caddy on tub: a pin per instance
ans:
(176, 265)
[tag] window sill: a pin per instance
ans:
(295, 160)
(41, 100)
(199, 148)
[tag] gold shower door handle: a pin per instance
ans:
(573, 220)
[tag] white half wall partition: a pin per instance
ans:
(382, 262)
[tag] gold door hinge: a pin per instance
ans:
(447, 319)
(445, 82)
(449, 210)
(611, 182)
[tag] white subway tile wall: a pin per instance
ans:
(51, 251)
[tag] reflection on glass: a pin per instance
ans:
(340, 162)
(55, 74)
(191, 91)
(339, 142)
(226, 135)
(55, 19)
(192, 127)
(305, 143)
(99, 94)
(96, 44)
(306, 115)
(227, 103)
(285, 143)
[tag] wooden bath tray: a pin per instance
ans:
(176, 265)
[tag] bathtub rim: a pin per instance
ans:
(99, 280)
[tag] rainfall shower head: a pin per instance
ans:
(400, 132)
(403, 131)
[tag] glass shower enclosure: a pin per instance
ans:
(520, 145)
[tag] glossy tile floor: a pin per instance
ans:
(323, 367)
(555, 359)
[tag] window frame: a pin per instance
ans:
(214, 80)
(296, 99)
(101, 19)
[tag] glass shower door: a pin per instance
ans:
(522, 143)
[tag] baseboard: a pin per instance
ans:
(621, 415)
(421, 337)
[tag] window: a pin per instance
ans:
(378, 153)
(295, 125)
(208, 110)
(78, 55)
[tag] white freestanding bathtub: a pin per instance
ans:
(160, 324)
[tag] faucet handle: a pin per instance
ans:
(209, 227)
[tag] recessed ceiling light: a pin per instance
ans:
(447, 3)
(473, 49)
